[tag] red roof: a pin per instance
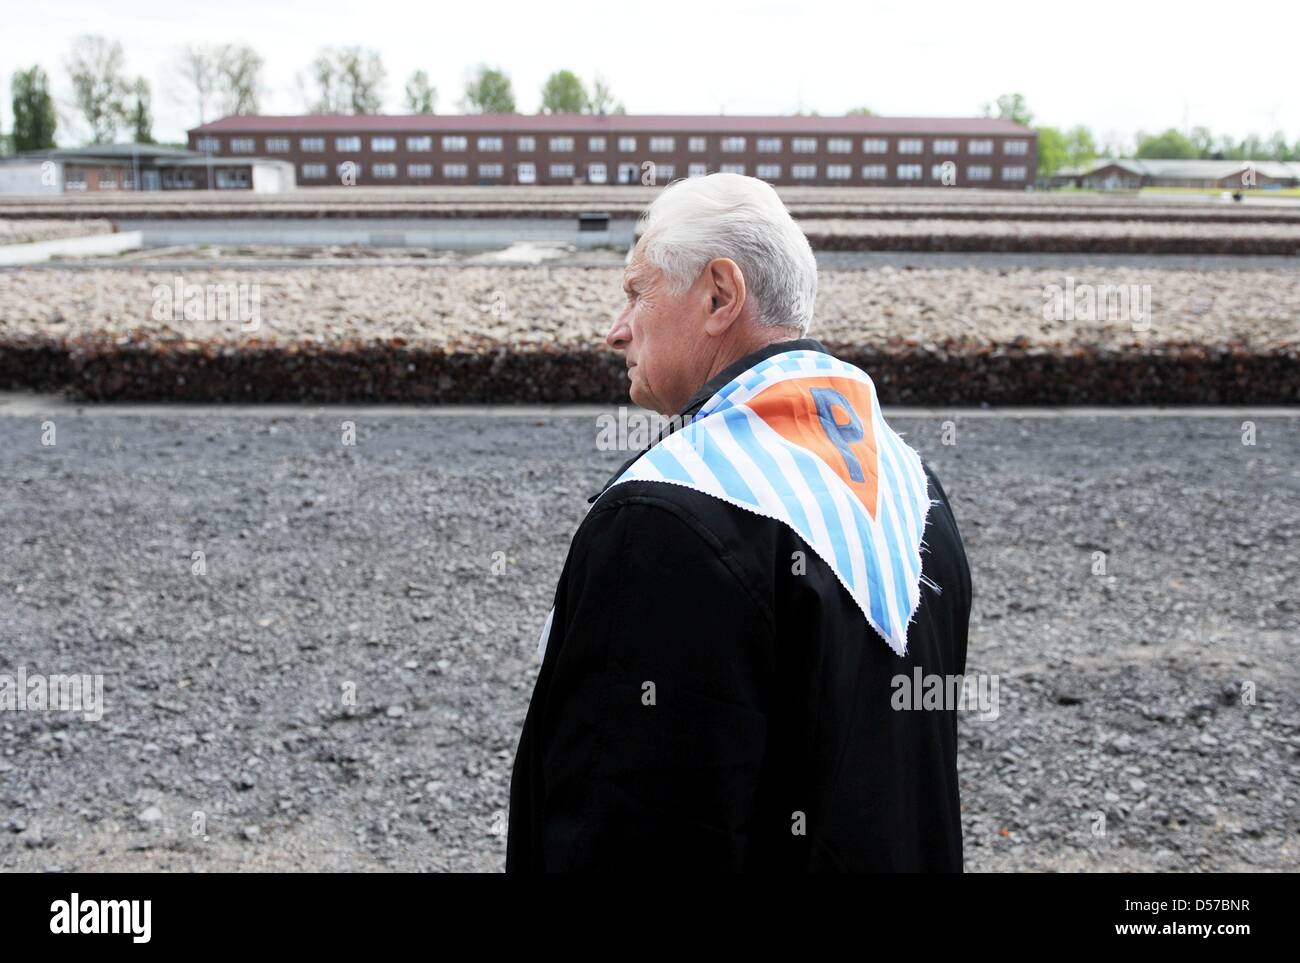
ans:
(612, 123)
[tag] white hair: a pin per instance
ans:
(729, 215)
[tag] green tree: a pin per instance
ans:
(1278, 148)
(1227, 149)
(34, 115)
(1052, 151)
(1171, 145)
(602, 99)
(1080, 147)
(421, 97)
(488, 91)
(1203, 140)
(347, 80)
(564, 93)
(199, 67)
(99, 89)
(140, 114)
(1253, 147)
(859, 112)
(1011, 107)
(239, 78)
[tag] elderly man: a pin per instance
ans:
(721, 672)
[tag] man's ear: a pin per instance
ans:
(727, 294)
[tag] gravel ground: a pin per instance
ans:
(508, 307)
(25, 232)
(418, 564)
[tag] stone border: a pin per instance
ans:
(103, 369)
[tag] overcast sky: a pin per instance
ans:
(1116, 66)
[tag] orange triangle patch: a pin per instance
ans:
(832, 418)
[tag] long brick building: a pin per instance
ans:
(555, 149)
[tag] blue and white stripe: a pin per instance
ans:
(729, 452)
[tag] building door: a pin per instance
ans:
(151, 180)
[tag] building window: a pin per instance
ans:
(208, 145)
(839, 145)
(979, 173)
(311, 172)
(936, 171)
(455, 142)
(561, 145)
(697, 145)
(312, 145)
(910, 146)
(980, 147)
(235, 179)
(383, 170)
(527, 144)
(665, 172)
(733, 145)
(171, 180)
(419, 144)
(874, 172)
(909, 172)
(733, 168)
(419, 170)
(769, 172)
(527, 173)
(277, 145)
(769, 145)
(453, 171)
(804, 145)
(627, 145)
(489, 144)
(347, 143)
(488, 171)
(697, 170)
(347, 169)
(596, 173)
(1013, 173)
(663, 145)
(945, 147)
(383, 144)
(596, 145)
(803, 172)
(839, 172)
(562, 171)
(875, 145)
(1020, 147)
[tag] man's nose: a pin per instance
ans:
(619, 334)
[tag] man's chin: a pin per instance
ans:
(635, 393)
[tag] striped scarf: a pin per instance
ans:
(800, 438)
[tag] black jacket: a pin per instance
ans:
(700, 706)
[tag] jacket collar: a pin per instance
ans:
(711, 388)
